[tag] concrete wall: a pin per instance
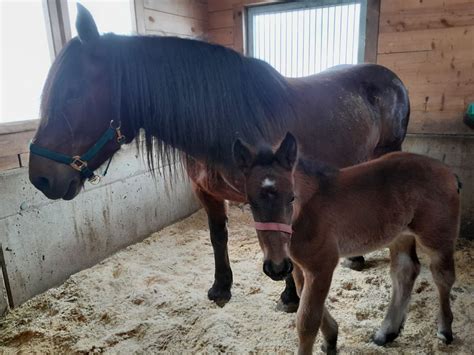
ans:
(44, 241)
(458, 153)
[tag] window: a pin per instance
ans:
(304, 38)
(32, 32)
(25, 58)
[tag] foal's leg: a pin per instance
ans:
(311, 311)
(289, 299)
(442, 269)
(404, 269)
(329, 329)
(217, 219)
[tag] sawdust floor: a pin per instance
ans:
(151, 297)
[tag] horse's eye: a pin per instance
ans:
(292, 199)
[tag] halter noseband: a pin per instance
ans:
(80, 163)
(274, 227)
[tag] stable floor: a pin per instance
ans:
(152, 297)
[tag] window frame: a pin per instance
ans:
(368, 28)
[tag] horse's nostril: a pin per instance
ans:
(267, 269)
(42, 183)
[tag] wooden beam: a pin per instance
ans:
(372, 31)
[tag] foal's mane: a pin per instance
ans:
(322, 172)
(186, 94)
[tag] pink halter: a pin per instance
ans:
(275, 227)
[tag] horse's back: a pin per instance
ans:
(360, 111)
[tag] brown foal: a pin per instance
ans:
(399, 201)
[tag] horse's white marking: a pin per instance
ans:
(268, 183)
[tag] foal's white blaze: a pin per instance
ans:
(268, 183)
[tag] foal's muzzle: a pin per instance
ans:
(277, 272)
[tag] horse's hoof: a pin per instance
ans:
(445, 336)
(329, 348)
(356, 263)
(287, 307)
(382, 339)
(219, 296)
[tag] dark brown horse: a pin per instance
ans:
(193, 99)
(315, 214)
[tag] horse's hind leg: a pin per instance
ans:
(442, 269)
(404, 269)
(217, 219)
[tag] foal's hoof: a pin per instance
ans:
(445, 336)
(219, 295)
(329, 349)
(382, 339)
(356, 263)
(287, 307)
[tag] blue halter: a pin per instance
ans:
(80, 163)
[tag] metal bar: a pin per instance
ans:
(6, 280)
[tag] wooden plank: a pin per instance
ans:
(163, 22)
(15, 143)
(219, 5)
(395, 5)
(168, 34)
(446, 122)
(196, 9)
(9, 162)
(372, 31)
(450, 15)
(221, 19)
(239, 43)
(224, 36)
(18, 126)
(414, 41)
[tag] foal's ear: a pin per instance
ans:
(85, 25)
(287, 152)
(243, 156)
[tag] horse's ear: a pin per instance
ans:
(287, 152)
(85, 25)
(243, 156)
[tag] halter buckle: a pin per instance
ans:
(78, 164)
(95, 179)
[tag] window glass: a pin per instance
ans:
(24, 60)
(109, 15)
(300, 40)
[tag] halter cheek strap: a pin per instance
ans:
(274, 227)
(80, 163)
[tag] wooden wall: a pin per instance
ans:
(226, 21)
(430, 45)
(14, 140)
(183, 18)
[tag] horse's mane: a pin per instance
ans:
(186, 94)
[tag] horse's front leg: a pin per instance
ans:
(289, 299)
(311, 312)
(217, 219)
